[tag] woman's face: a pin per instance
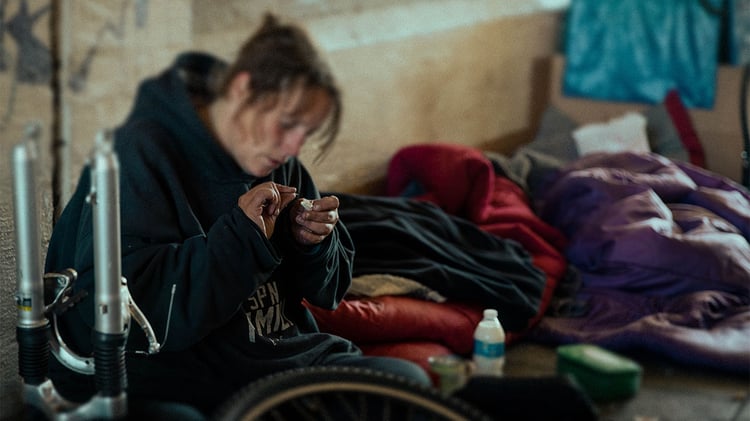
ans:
(264, 135)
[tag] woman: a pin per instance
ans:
(218, 248)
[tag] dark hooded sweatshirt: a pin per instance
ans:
(225, 301)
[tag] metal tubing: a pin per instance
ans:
(111, 314)
(30, 283)
(32, 326)
(105, 200)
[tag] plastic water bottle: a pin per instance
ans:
(489, 345)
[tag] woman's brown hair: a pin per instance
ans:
(280, 56)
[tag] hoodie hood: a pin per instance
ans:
(168, 101)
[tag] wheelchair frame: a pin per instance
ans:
(36, 329)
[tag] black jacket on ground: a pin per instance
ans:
(191, 257)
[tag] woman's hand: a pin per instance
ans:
(313, 225)
(263, 203)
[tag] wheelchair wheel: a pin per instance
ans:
(342, 393)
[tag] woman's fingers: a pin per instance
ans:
(263, 203)
(315, 219)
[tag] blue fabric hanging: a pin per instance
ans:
(637, 50)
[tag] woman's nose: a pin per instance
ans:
(293, 141)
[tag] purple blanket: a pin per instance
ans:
(663, 254)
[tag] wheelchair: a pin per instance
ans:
(335, 393)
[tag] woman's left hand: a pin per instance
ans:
(312, 226)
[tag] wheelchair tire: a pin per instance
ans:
(342, 393)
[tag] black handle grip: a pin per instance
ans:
(33, 353)
(109, 359)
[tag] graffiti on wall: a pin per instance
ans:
(114, 28)
(32, 63)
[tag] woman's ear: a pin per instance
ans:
(240, 86)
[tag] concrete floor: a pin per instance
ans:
(668, 392)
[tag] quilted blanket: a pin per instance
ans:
(663, 255)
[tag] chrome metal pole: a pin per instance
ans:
(105, 201)
(110, 307)
(32, 326)
(30, 284)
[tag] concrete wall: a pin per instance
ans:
(412, 71)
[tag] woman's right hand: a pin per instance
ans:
(263, 203)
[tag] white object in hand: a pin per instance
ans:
(307, 204)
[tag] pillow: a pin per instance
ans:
(669, 131)
(396, 318)
(554, 137)
(624, 133)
